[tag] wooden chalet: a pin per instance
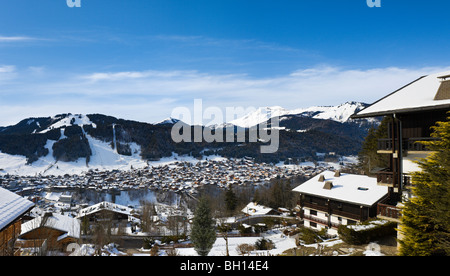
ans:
(333, 198)
(12, 209)
(105, 211)
(50, 232)
(413, 110)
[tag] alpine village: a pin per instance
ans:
(376, 202)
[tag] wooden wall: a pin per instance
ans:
(8, 237)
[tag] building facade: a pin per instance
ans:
(412, 111)
(12, 209)
(333, 198)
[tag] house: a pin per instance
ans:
(51, 231)
(255, 209)
(105, 211)
(333, 198)
(412, 111)
(12, 208)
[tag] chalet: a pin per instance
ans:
(51, 231)
(412, 111)
(254, 209)
(12, 208)
(333, 198)
(105, 211)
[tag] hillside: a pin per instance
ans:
(70, 142)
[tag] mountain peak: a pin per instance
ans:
(340, 113)
(168, 121)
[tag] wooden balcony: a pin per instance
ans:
(413, 144)
(334, 211)
(385, 178)
(385, 145)
(321, 221)
(410, 144)
(388, 212)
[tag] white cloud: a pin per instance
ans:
(15, 38)
(151, 95)
(7, 69)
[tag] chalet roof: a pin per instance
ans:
(356, 189)
(419, 95)
(105, 206)
(12, 206)
(70, 226)
(253, 209)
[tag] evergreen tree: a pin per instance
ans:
(230, 200)
(203, 233)
(426, 217)
(368, 156)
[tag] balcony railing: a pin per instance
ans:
(385, 177)
(410, 144)
(388, 212)
(385, 144)
(322, 221)
(413, 144)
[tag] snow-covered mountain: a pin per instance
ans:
(340, 113)
(72, 143)
(64, 146)
(168, 121)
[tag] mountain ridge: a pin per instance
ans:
(105, 142)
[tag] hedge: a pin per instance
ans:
(366, 232)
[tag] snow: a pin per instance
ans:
(345, 188)
(12, 206)
(419, 94)
(340, 113)
(103, 158)
(56, 221)
(168, 120)
(79, 120)
(281, 241)
(259, 116)
(372, 224)
(89, 250)
(254, 209)
(105, 206)
(373, 249)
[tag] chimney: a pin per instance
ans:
(443, 92)
(321, 178)
(48, 214)
(337, 173)
(328, 185)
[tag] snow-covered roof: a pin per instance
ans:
(357, 189)
(12, 206)
(253, 209)
(71, 226)
(105, 206)
(418, 95)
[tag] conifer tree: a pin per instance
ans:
(230, 200)
(203, 234)
(426, 217)
(368, 156)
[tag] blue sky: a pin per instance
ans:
(139, 59)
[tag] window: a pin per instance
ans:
(313, 212)
(312, 224)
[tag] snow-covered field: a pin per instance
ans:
(282, 243)
(103, 158)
